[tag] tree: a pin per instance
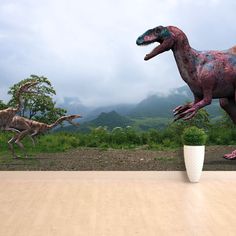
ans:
(2, 105)
(37, 106)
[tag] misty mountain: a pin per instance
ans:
(110, 120)
(155, 106)
(74, 106)
(162, 106)
(122, 109)
(153, 112)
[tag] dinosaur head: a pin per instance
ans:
(160, 35)
(72, 117)
(26, 87)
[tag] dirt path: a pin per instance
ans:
(122, 160)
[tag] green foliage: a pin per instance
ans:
(226, 121)
(2, 105)
(129, 138)
(154, 136)
(111, 120)
(146, 123)
(194, 136)
(118, 136)
(38, 106)
(97, 137)
(201, 120)
(59, 142)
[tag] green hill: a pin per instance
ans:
(110, 120)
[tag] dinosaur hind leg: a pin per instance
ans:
(11, 146)
(19, 137)
(229, 106)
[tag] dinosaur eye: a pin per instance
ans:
(157, 30)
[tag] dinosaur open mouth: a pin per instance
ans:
(153, 53)
(147, 40)
(145, 43)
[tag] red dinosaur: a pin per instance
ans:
(209, 74)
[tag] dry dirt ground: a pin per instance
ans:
(121, 160)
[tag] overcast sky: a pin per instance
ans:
(87, 48)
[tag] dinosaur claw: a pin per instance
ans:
(182, 108)
(175, 119)
(178, 117)
(184, 112)
(191, 115)
(176, 113)
(187, 118)
(176, 109)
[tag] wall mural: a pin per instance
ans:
(134, 137)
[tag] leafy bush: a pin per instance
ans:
(132, 136)
(56, 143)
(154, 136)
(155, 146)
(118, 136)
(194, 136)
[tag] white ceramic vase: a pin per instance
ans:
(194, 159)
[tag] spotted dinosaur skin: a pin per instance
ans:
(209, 74)
(24, 127)
(6, 115)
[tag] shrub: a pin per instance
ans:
(118, 136)
(154, 136)
(155, 146)
(132, 136)
(194, 136)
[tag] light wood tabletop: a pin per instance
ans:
(116, 204)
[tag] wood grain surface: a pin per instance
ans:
(116, 204)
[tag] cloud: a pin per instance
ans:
(87, 48)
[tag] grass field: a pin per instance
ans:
(119, 149)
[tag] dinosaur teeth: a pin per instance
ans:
(147, 43)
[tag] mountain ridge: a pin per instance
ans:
(154, 107)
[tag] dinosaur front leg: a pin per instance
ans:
(229, 106)
(32, 136)
(179, 109)
(12, 129)
(189, 113)
(12, 140)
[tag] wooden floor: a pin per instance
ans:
(116, 204)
